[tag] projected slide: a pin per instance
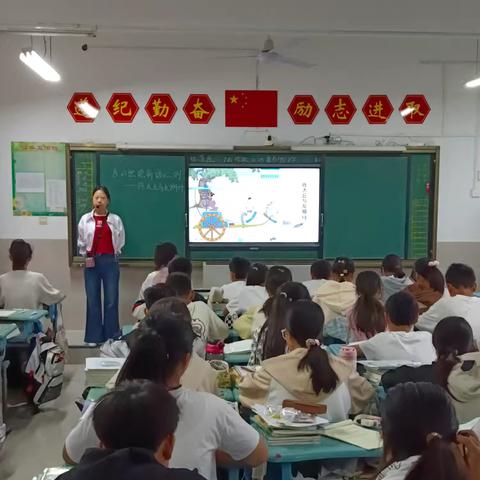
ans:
(253, 205)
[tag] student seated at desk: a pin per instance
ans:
(249, 324)
(184, 265)
(320, 272)
(457, 368)
(268, 340)
(253, 293)
(367, 317)
(461, 284)
(400, 342)
(429, 286)
(239, 268)
(394, 279)
(163, 255)
(22, 288)
(307, 373)
(206, 324)
(338, 295)
(137, 438)
(420, 437)
(209, 430)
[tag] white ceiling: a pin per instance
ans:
(287, 17)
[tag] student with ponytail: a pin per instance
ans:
(367, 316)
(307, 373)
(394, 279)
(429, 286)
(419, 428)
(162, 354)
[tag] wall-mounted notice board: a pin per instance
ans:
(39, 178)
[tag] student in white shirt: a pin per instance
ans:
(461, 284)
(206, 324)
(163, 255)
(184, 265)
(320, 272)
(209, 429)
(239, 268)
(22, 288)
(253, 293)
(419, 429)
(400, 342)
(394, 279)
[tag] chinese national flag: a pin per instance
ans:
(250, 108)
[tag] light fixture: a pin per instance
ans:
(475, 82)
(88, 110)
(407, 111)
(33, 60)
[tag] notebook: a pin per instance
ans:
(349, 432)
(243, 346)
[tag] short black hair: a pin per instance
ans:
(460, 275)
(130, 417)
(20, 252)
(157, 292)
(164, 254)
(392, 263)
(257, 274)
(182, 265)
(276, 277)
(102, 188)
(321, 269)
(402, 308)
(239, 266)
(180, 283)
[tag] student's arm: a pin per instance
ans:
(256, 458)
(254, 388)
(217, 329)
(66, 458)
(120, 233)
(47, 294)
(82, 237)
(429, 320)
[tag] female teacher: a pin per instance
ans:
(100, 240)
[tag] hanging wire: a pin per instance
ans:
(44, 47)
(50, 41)
(31, 42)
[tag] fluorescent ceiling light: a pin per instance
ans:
(88, 110)
(407, 111)
(33, 60)
(473, 83)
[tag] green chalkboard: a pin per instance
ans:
(365, 203)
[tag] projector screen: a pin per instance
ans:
(253, 205)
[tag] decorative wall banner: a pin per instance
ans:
(414, 109)
(251, 108)
(199, 108)
(303, 109)
(122, 107)
(161, 108)
(377, 109)
(340, 109)
(83, 107)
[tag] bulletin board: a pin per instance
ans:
(39, 179)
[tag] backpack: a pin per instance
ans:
(46, 365)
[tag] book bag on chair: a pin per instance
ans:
(46, 365)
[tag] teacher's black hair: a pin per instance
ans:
(103, 188)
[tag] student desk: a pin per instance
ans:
(237, 358)
(326, 449)
(28, 322)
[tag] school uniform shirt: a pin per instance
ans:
(206, 324)
(464, 386)
(231, 290)
(279, 379)
(457, 306)
(399, 470)
(393, 285)
(157, 276)
(405, 374)
(314, 285)
(335, 298)
(26, 289)
(249, 296)
(408, 346)
(86, 233)
(125, 464)
(206, 424)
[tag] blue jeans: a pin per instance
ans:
(102, 327)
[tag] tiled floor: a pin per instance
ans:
(36, 441)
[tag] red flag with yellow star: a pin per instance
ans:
(251, 108)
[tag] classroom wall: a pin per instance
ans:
(32, 110)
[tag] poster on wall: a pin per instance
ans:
(39, 179)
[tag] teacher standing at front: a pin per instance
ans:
(101, 237)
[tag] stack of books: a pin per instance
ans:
(98, 370)
(278, 431)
